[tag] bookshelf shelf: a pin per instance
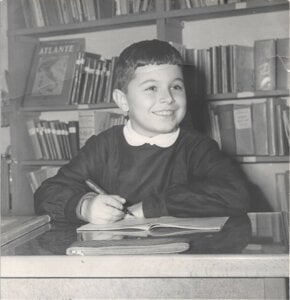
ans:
(40, 163)
(248, 95)
(68, 107)
(188, 14)
(262, 159)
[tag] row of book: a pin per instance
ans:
(240, 68)
(184, 4)
(40, 13)
(53, 140)
(92, 79)
(257, 128)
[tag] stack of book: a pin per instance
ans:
(54, 140)
(40, 13)
(92, 122)
(257, 128)
(92, 79)
(36, 177)
(127, 7)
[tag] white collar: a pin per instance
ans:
(133, 138)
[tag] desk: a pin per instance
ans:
(248, 259)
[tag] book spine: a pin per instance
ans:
(34, 139)
(283, 64)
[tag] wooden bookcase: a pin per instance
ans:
(120, 31)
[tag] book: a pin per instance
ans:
(50, 78)
(260, 130)
(282, 191)
(17, 226)
(199, 224)
(34, 139)
(243, 129)
(283, 63)
(265, 64)
(128, 247)
(73, 135)
(227, 129)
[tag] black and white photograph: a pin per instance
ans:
(144, 149)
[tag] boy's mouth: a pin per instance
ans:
(163, 112)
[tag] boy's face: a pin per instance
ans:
(156, 99)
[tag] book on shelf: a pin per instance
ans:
(50, 78)
(283, 64)
(36, 177)
(95, 121)
(265, 64)
(54, 140)
(17, 226)
(282, 191)
(257, 128)
(209, 224)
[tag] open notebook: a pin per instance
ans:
(199, 224)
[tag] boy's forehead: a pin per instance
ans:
(153, 69)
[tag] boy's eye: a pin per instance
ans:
(177, 87)
(152, 88)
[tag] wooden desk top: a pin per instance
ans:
(251, 246)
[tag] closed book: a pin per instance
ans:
(283, 63)
(265, 64)
(15, 227)
(105, 8)
(42, 140)
(260, 129)
(29, 22)
(281, 134)
(73, 135)
(243, 129)
(50, 78)
(34, 139)
(271, 127)
(129, 246)
(226, 127)
(55, 139)
(243, 68)
(282, 191)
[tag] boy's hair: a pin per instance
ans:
(148, 52)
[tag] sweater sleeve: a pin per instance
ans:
(58, 196)
(216, 187)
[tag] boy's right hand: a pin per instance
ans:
(102, 209)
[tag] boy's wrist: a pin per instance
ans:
(79, 209)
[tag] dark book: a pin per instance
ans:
(51, 74)
(105, 8)
(260, 128)
(243, 129)
(265, 64)
(55, 139)
(227, 128)
(73, 135)
(34, 139)
(283, 64)
(26, 9)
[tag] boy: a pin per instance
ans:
(150, 165)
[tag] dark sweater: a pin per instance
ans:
(191, 178)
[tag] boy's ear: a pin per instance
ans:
(121, 100)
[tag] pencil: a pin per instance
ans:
(96, 188)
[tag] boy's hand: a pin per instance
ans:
(102, 209)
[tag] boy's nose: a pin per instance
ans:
(167, 97)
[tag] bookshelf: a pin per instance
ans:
(172, 25)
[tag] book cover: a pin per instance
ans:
(260, 130)
(14, 227)
(227, 128)
(243, 129)
(265, 64)
(283, 63)
(51, 74)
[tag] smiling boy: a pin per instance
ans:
(150, 165)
